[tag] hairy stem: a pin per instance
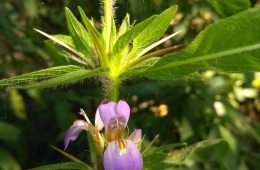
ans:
(108, 15)
(113, 90)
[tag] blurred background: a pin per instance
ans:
(222, 106)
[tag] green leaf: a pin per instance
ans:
(153, 159)
(230, 45)
(113, 36)
(80, 36)
(62, 56)
(70, 47)
(170, 146)
(17, 104)
(156, 156)
(140, 67)
(38, 75)
(125, 26)
(70, 77)
(91, 28)
(146, 64)
(150, 47)
(153, 31)
(66, 39)
(9, 132)
(97, 38)
(200, 151)
(230, 7)
(123, 41)
(7, 162)
(218, 149)
(67, 165)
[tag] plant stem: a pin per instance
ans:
(108, 14)
(113, 83)
(113, 90)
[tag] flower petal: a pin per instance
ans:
(111, 111)
(98, 121)
(73, 132)
(115, 118)
(123, 112)
(107, 112)
(122, 154)
(136, 136)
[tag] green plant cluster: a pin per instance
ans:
(216, 106)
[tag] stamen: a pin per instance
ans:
(85, 115)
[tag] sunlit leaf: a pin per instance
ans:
(66, 78)
(91, 28)
(97, 38)
(58, 53)
(230, 45)
(38, 75)
(146, 64)
(80, 36)
(125, 26)
(141, 53)
(153, 31)
(123, 41)
(140, 67)
(113, 36)
(65, 41)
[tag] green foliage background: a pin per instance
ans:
(221, 106)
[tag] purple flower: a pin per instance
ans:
(136, 136)
(74, 131)
(115, 117)
(79, 125)
(120, 153)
